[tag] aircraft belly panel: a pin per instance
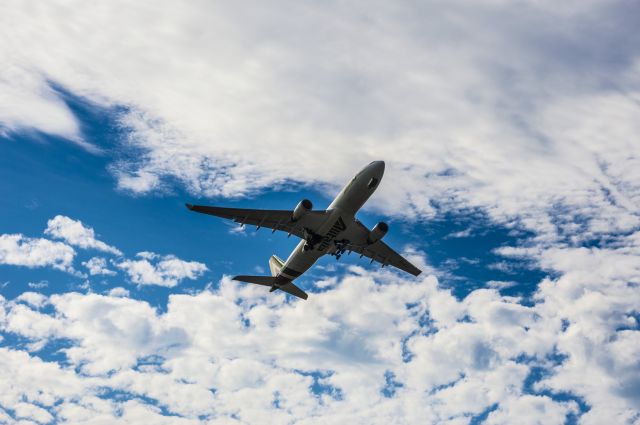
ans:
(299, 261)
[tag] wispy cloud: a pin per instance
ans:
(477, 109)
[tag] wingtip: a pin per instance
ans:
(189, 206)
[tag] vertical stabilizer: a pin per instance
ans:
(275, 264)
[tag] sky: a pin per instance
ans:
(510, 132)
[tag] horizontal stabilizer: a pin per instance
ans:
(292, 289)
(286, 286)
(258, 280)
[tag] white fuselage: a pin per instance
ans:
(342, 213)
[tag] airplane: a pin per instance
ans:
(333, 231)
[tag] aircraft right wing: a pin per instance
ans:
(378, 251)
(271, 219)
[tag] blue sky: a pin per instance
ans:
(510, 136)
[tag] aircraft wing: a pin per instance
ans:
(271, 219)
(378, 251)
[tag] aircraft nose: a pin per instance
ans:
(378, 166)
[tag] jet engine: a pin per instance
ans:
(301, 209)
(377, 232)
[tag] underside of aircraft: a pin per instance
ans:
(334, 231)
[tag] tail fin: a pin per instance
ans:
(285, 285)
(275, 264)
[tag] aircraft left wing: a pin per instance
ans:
(271, 219)
(378, 251)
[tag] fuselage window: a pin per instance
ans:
(373, 183)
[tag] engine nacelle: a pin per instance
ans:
(377, 232)
(301, 209)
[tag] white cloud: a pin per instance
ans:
(32, 412)
(27, 101)
(98, 266)
(19, 250)
(34, 299)
(531, 410)
(501, 284)
(77, 234)
(118, 291)
(29, 378)
(41, 391)
(154, 269)
(236, 350)
(478, 109)
(38, 285)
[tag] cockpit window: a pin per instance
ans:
(373, 183)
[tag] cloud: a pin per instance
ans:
(77, 234)
(154, 269)
(33, 412)
(39, 391)
(331, 358)
(34, 299)
(98, 266)
(478, 109)
(118, 291)
(38, 285)
(27, 101)
(531, 410)
(30, 379)
(19, 250)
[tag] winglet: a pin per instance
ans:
(190, 206)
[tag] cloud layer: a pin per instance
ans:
(528, 112)
(372, 345)
(406, 352)
(521, 110)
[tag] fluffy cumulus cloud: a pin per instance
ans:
(19, 250)
(98, 266)
(77, 234)
(119, 291)
(37, 392)
(376, 348)
(154, 269)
